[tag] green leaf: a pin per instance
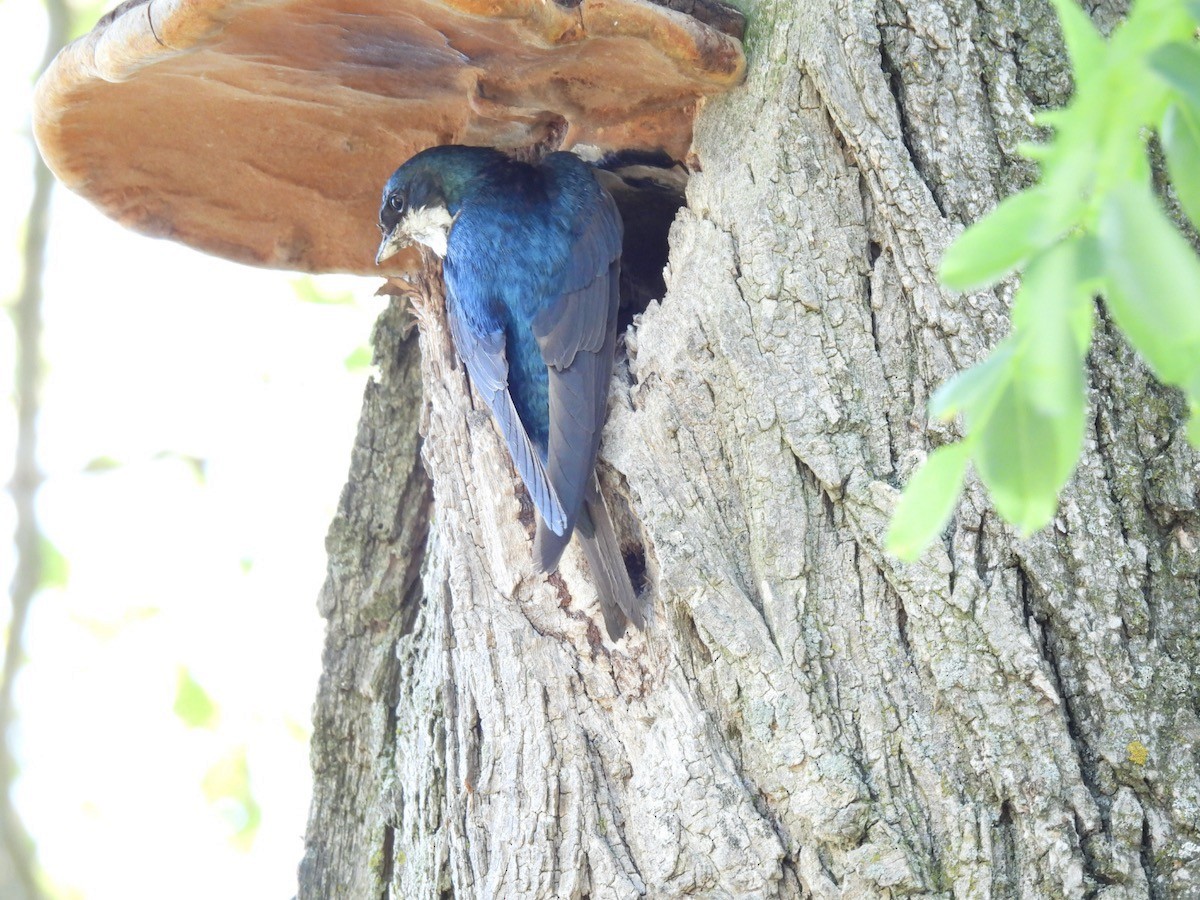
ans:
(83, 15)
(1082, 322)
(55, 570)
(1153, 288)
(1053, 118)
(1012, 233)
(297, 731)
(227, 787)
(1089, 275)
(1181, 141)
(99, 464)
(1053, 309)
(1084, 44)
(1178, 64)
(108, 629)
(1026, 455)
(927, 501)
(1070, 161)
(1193, 9)
(976, 388)
(1037, 151)
(1150, 24)
(1192, 390)
(1052, 368)
(1005, 239)
(1048, 286)
(307, 290)
(1090, 260)
(192, 703)
(360, 359)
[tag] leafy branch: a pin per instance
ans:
(1091, 226)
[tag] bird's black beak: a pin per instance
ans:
(393, 242)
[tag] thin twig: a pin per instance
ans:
(26, 478)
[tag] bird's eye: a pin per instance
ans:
(396, 202)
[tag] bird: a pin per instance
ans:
(531, 259)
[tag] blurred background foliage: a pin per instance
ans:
(175, 432)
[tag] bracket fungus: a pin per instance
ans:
(263, 132)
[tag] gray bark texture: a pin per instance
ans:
(805, 717)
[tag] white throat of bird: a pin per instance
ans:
(429, 226)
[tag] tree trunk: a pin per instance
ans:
(805, 716)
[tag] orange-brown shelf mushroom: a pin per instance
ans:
(263, 132)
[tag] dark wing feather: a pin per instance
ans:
(577, 337)
(483, 353)
(618, 601)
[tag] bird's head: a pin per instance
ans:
(414, 210)
(422, 197)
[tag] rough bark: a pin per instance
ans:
(806, 716)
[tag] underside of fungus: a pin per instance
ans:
(263, 132)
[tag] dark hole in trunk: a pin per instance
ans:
(649, 191)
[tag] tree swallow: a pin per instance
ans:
(531, 259)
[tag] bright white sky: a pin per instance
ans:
(152, 349)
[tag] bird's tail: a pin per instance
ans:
(618, 600)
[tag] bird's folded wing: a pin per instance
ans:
(487, 365)
(577, 337)
(586, 309)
